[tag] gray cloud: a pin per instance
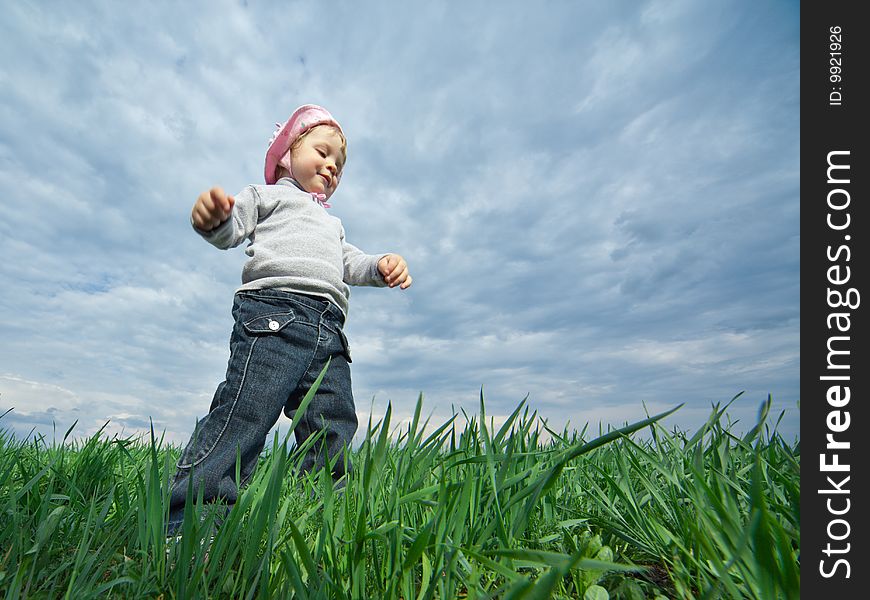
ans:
(599, 203)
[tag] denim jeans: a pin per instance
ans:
(280, 343)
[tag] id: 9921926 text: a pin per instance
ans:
(835, 65)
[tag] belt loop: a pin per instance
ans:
(336, 313)
(326, 307)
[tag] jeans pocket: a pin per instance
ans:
(269, 323)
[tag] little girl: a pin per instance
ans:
(289, 311)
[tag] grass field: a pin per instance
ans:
(460, 512)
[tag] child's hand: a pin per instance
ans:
(394, 270)
(212, 208)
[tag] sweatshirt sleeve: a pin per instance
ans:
(239, 226)
(360, 268)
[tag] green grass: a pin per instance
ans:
(470, 512)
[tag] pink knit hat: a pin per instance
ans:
(303, 118)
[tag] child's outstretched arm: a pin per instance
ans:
(211, 208)
(394, 270)
(225, 221)
(373, 269)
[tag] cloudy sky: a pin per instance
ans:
(599, 202)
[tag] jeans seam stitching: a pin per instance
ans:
(232, 408)
(306, 373)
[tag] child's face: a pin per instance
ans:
(317, 160)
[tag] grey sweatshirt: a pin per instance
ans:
(295, 245)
